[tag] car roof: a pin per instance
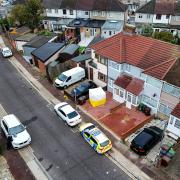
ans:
(5, 48)
(98, 135)
(67, 108)
(11, 120)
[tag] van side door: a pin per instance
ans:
(69, 81)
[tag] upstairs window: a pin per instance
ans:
(49, 10)
(56, 11)
(140, 15)
(148, 16)
(64, 11)
(103, 60)
(71, 12)
(86, 13)
(167, 16)
(158, 16)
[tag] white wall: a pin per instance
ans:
(106, 33)
(145, 18)
(81, 14)
(19, 45)
(162, 20)
(115, 15)
(171, 126)
(53, 13)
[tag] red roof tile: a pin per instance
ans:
(176, 111)
(123, 81)
(132, 85)
(139, 51)
(135, 86)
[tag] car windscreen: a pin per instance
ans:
(16, 130)
(72, 114)
(105, 143)
(7, 51)
(142, 139)
(62, 77)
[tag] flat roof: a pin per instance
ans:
(26, 37)
(81, 58)
(113, 25)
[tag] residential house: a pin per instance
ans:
(173, 127)
(163, 15)
(111, 28)
(23, 39)
(45, 54)
(35, 44)
(133, 68)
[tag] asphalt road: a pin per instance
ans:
(60, 149)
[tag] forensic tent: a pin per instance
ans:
(97, 96)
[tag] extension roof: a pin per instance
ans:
(176, 111)
(153, 56)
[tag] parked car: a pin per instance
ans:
(146, 140)
(13, 128)
(83, 90)
(5, 3)
(6, 52)
(95, 137)
(69, 77)
(67, 113)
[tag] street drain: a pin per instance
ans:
(50, 166)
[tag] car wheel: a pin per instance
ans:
(65, 87)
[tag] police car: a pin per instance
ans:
(95, 137)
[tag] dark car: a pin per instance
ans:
(83, 90)
(146, 140)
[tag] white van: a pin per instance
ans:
(69, 77)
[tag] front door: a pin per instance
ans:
(91, 73)
(129, 100)
(91, 32)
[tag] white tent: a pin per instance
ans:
(97, 96)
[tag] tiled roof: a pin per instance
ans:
(123, 81)
(160, 7)
(132, 85)
(176, 111)
(101, 5)
(145, 53)
(135, 86)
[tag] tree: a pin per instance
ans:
(18, 13)
(147, 30)
(164, 36)
(34, 10)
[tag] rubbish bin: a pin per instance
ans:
(82, 100)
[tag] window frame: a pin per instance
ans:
(104, 77)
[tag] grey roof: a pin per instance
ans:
(64, 21)
(38, 41)
(95, 40)
(95, 23)
(147, 8)
(81, 58)
(26, 37)
(78, 23)
(113, 25)
(52, 18)
(47, 50)
(70, 49)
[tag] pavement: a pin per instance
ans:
(51, 95)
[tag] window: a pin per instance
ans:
(177, 124)
(171, 120)
(149, 101)
(158, 16)
(64, 11)
(172, 90)
(164, 109)
(128, 67)
(56, 11)
(93, 140)
(121, 93)
(49, 10)
(116, 91)
(104, 32)
(103, 60)
(110, 33)
(69, 78)
(114, 65)
(111, 82)
(86, 13)
(87, 30)
(86, 134)
(167, 16)
(5, 126)
(102, 77)
(97, 56)
(62, 113)
(71, 12)
(140, 15)
(148, 16)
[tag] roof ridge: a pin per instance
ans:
(173, 59)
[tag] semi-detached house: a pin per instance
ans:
(138, 69)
